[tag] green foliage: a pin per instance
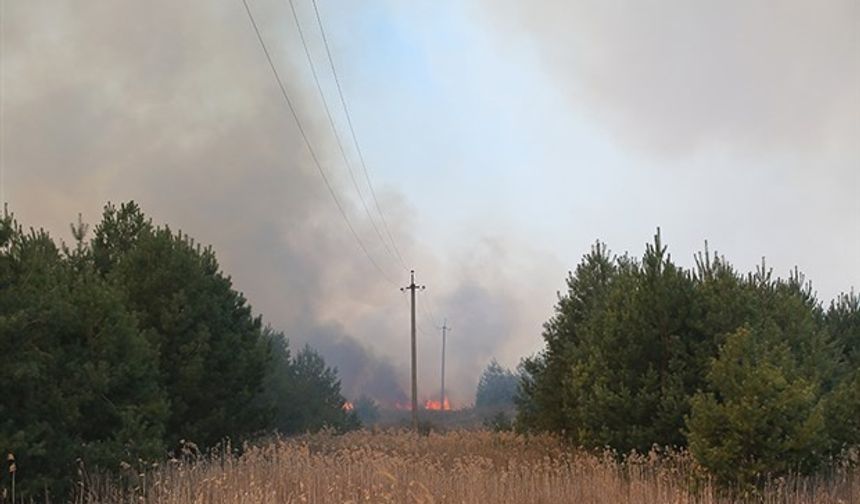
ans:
(497, 387)
(541, 400)
(843, 322)
(842, 408)
(643, 352)
(212, 356)
(622, 355)
(77, 378)
(764, 413)
(113, 350)
(843, 405)
(306, 392)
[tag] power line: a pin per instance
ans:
(308, 143)
(428, 311)
(354, 136)
(334, 128)
(357, 144)
(424, 313)
(422, 328)
(430, 306)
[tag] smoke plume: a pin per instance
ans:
(171, 104)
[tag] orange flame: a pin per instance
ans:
(347, 406)
(437, 406)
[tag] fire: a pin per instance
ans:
(428, 405)
(347, 406)
(437, 406)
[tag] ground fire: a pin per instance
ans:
(437, 406)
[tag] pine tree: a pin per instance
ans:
(544, 378)
(212, 355)
(306, 392)
(843, 404)
(77, 377)
(637, 352)
(497, 387)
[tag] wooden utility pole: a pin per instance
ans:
(412, 288)
(445, 330)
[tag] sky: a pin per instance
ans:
(501, 138)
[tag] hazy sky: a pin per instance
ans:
(502, 137)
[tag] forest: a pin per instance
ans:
(132, 347)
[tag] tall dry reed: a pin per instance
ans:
(456, 467)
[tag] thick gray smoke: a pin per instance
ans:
(741, 120)
(674, 77)
(731, 121)
(171, 104)
(362, 372)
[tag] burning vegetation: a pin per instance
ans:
(443, 405)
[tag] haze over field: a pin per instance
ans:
(503, 138)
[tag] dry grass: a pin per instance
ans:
(456, 467)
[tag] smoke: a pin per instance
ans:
(757, 106)
(736, 122)
(672, 77)
(171, 104)
(362, 372)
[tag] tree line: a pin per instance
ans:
(127, 346)
(752, 373)
(124, 347)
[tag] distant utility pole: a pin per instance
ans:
(412, 288)
(445, 330)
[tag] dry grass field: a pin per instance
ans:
(455, 467)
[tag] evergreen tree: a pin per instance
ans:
(843, 404)
(306, 392)
(111, 351)
(622, 355)
(843, 322)
(212, 355)
(637, 347)
(77, 377)
(764, 413)
(542, 397)
(497, 387)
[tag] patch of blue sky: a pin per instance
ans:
(438, 101)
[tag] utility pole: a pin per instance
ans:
(445, 330)
(412, 288)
